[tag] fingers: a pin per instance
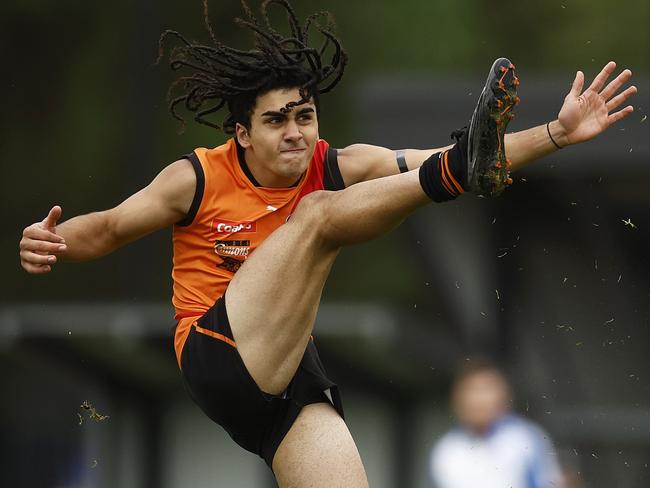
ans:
(616, 83)
(36, 268)
(620, 98)
(578, 83)
(39, 256)
(35, 262)
(621, 114)
(39, 246)
(601, 78)
(52, 217)
(32, 258)
(36, 232)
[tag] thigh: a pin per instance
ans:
(273, 298)
(219, 383)
(318, 451)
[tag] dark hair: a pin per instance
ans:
(223, 76)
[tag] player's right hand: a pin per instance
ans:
(40, 244)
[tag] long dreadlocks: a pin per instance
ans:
(223, 76)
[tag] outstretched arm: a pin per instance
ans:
(165, 201)
(583, 116)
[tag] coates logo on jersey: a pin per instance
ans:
(223, 227)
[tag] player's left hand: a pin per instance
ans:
(586, 114)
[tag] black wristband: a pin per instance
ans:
(551, 137)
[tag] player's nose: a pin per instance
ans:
(292, 132)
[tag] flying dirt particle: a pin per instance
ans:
(92, 412)
(629, 222)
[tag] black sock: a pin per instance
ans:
(442, 176)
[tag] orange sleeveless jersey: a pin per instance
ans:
(229, 217)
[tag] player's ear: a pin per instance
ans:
(243, 136)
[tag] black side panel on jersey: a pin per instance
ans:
(332, 179)
(198, 194)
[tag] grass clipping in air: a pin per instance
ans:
(92, 412)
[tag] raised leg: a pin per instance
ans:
(273, 299)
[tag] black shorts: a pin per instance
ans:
(220, 384)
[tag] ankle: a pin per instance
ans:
(441, 174)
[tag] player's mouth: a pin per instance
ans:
(293, 153)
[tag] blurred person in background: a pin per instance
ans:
(491, 446)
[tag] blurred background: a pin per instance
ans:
(547, 280)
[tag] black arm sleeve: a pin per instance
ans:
(332, 179)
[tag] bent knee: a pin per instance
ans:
(314, 212)
(313, 202)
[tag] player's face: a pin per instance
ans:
(279, 145)
(480, 399)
